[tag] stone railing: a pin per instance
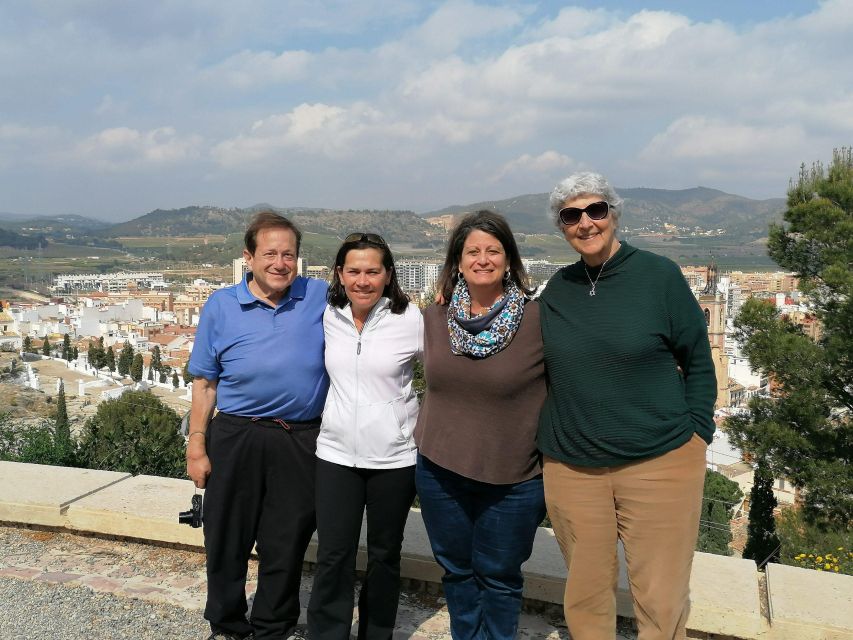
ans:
(728, 596)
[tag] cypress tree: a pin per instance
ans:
(66, 347)
(62, 430)
(45, 346)
(175, 382)
(136, 368)
(762, 543)
(101, 353)
(110, 359)
(125, 359)
(156, 363)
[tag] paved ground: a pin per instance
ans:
(97, 588)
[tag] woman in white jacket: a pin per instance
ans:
(366, 454)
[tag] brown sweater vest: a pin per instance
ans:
(479, 415)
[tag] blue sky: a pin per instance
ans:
(113, 109)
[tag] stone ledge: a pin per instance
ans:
(724, 591)
(41, 494)
(724, 597)
(144, 507)
(809, 605)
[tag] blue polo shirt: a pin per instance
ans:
(268, 360)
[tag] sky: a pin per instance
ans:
(112, 109)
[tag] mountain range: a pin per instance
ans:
(644, 209)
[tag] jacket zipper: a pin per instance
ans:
(358, 353)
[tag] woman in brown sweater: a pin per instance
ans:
(478, 473)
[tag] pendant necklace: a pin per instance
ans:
(592, 282)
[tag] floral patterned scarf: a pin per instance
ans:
(488, 333)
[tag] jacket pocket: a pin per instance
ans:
(383, 430)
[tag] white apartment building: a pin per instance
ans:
(321, 272)
(416, 275)
(540, 271)
(109, 282)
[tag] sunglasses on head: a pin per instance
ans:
(371, 238)
(595, 211)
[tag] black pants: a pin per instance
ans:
(260, 491)
(342, 495)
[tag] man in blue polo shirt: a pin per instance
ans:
(258, 358)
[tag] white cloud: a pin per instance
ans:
(123, 148)
(456, 22)
(702, 138)
(545, 165)
(573, 22)
(456, 93)
(312, 129)
(250, 69)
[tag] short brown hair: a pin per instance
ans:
(268, 220)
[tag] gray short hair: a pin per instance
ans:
(584, 183)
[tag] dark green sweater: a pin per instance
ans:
(615, 394)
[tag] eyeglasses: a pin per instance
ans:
(595, 211)
(372, 238)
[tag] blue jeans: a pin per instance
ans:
(480, 534)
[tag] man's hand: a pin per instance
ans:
(204, 401)
(198, 465)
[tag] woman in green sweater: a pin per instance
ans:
(626, 421)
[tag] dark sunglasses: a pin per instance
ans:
(595, 211)
(372, 238)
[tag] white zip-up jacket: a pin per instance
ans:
(371, 408)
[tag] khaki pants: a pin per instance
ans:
(653, 506)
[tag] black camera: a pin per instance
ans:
(194, 516)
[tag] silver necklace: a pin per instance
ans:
(592, 282)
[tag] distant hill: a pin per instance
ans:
(400, 226)
(22, 241)
(188, 221)
(52, 225)
(649, 209)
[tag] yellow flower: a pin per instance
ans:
(835, 568)
(819, 559)
(827, 566)
(840, 549)
(819, 568)
(811, 555)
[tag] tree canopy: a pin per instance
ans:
(135, 433)
(803, 430)
(720, 496)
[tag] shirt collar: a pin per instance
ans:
(295, 292)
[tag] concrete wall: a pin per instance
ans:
(725, 592)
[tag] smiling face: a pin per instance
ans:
(595, 240)
(483, 262)
(364, 279)
(273, 265)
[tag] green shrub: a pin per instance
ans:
(719, 498)
(811, 547)
(35, 443)
(135, 433)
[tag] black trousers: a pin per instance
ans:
(260, 491)
(343, 493)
